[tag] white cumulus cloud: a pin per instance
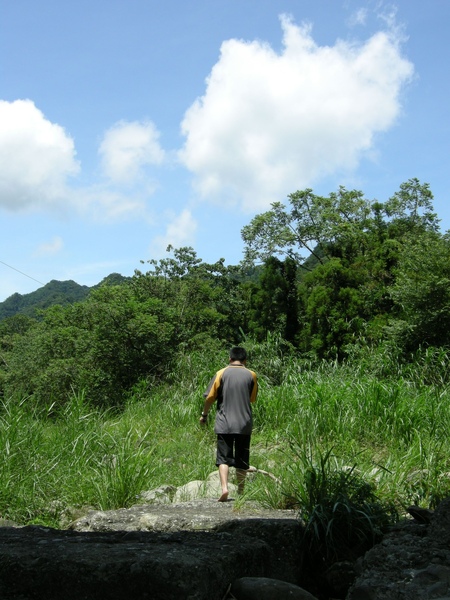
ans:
(270, 123)
(127, 147)
(36, 157)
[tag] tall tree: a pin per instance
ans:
(312, 221)
(355, 245)
(273, 300)
(206, 298)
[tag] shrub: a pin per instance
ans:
(342, 514)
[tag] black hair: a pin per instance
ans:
(238, 353)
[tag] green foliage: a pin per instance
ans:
(375, 284)
(394, 429)
(422, 293)
(205, 299)
(72, 458)
(270, 357)
(121, 474)
(130, 339)
(411, 208)
(273, 302)
(429, 366)
(426, 482)
(313, 221)
(122, 334)
(334, 308)
(343, 516)
(356, 292)
(102, 346)
(375, 273)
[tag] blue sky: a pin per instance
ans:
(128, 125)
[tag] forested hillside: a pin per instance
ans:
(337, 278)
(54, 292)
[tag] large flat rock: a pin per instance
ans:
(203, 514)
(41, 563)
(192, 551)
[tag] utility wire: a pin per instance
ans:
(14, 269)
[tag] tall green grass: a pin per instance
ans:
(392, 431)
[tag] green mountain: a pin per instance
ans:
(54, 292)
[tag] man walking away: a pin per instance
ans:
(235, 389)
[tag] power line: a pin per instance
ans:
(21, 272)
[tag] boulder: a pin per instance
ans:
(263, 588)
(411, 563)
(161, 495)
(202, 489)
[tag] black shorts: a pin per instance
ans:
(233, 450)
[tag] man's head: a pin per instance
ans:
(238, 353)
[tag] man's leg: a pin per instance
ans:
(223, 474)
(242, 458)
(223, 460)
